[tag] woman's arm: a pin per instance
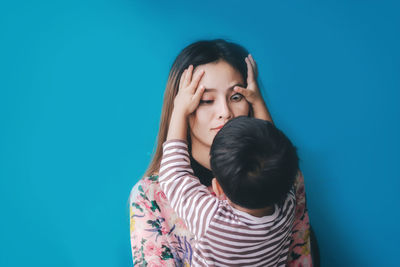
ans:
(299, 253)
(300, 247)
(150, 242)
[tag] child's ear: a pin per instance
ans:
(217, 188)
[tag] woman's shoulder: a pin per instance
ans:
(147, 185)
(299, 184)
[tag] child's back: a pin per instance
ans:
(255, 166)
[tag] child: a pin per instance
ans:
(255, 166)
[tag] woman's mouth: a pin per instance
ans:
(217, 128)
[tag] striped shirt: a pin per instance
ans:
(224, 236)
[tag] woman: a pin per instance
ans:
(228, 73)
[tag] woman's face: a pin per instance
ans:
(218, 104)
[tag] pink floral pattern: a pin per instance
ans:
(160, 238)
(300, 247)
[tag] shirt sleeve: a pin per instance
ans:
(300, 246)
(151, 244)
(191, 200)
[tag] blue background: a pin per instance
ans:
(80, 98)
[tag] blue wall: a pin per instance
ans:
(80, 98)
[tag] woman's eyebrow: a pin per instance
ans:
(229, 89)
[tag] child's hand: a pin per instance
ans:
(185, 102)
(189, 94)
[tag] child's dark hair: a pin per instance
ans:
(254, 162)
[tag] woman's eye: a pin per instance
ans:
(206, 101)
(236, 97)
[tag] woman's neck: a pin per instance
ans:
(201, 154)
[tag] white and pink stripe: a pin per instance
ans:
(224, 235)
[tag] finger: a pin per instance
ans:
(189, 74)
(198, 94)
(196, 79)
(250, 71)
(241, 90)
(182, 80)
(254, 64)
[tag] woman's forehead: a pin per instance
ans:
(219, 76)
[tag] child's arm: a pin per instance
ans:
(185, 103)
(190, 199)
(252, 92)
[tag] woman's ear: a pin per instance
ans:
(217, 188)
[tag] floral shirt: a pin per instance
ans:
(160, 238)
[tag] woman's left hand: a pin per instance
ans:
(252, 92)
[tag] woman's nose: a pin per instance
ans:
(224, 111)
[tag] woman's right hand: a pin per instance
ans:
(189, 93)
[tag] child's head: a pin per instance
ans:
(254, 162)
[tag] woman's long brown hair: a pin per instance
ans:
(168, 103)
(198, 53)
